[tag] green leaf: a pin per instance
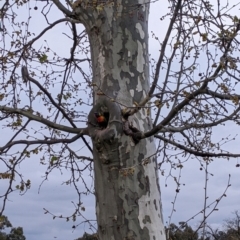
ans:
(43, 58)
(53, 159)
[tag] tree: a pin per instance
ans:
(230, 230)
(183, 232)
(232, 227)
(191, 94)
(4, 223)
(15, 233)
(87, 236)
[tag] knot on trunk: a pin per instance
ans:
(128, 128)
(132, 131)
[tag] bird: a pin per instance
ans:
(102, 119)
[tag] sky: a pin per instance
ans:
(27, 210)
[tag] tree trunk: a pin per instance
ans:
(127, 190)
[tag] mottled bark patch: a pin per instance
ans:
(155, 204)
(147, 219)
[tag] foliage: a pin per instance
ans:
(4, 222)
(87, 236)
(183, 232)
(230, 230)
(14, 234)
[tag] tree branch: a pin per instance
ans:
(173, 113)
(48, 28)
(60, 6)
(42, 120)
(181, 105)
(27, 77)
(194, 152)
(221, 96)
(43, 141)
(178, 6)
(162, 128)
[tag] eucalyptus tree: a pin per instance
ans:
(83, 72)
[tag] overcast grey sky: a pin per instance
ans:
(27, 210)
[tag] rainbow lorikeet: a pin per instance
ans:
(102, 119)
